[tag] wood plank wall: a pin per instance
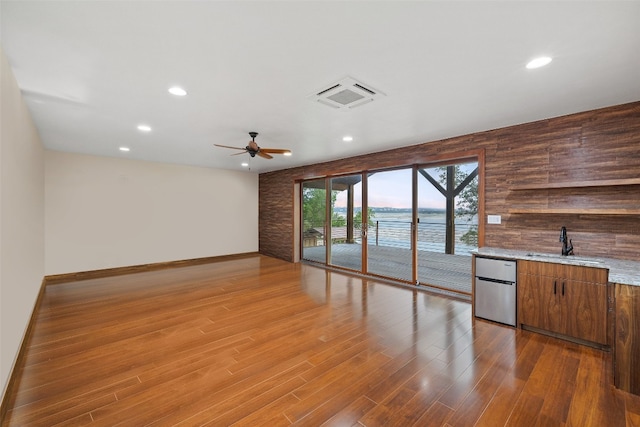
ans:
(598, 144)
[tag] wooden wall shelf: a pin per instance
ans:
(576, 211)
(578, 184)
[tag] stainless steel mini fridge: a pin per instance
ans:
(495, 290)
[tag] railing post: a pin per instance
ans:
(377, 222)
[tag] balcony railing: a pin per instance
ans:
(431, 235)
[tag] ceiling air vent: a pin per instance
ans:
(346, 94)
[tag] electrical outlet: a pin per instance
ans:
(494, 219)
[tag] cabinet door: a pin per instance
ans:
(627, 336)
(586, 310)
(539, 304)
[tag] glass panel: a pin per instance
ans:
(390, 216)
(346, 222)
(314, 214)
(466, 216)
(447, 225)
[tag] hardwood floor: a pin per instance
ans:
(259, 341)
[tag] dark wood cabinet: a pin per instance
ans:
(627, 342)
(538, 304)
(564, 300)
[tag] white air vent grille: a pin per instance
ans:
(345, 97)
(346, 94)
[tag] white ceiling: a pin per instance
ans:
(92, 71)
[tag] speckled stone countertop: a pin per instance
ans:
(620, 271)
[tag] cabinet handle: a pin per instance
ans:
(554, 287)
(562, 288)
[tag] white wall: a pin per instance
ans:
(96, 213)
(21, 218)
(105, 212)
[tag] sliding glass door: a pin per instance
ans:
(314, 222)
(332, 228)
(347, 231)
(417, 224)
(390, 216)
(447, 224)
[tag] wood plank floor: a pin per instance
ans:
(259, 341)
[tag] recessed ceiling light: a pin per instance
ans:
(245, 164)
(347, 138)
(177, 91)
(538, 62)
(144, 128)
(124, 149)
(288, 153)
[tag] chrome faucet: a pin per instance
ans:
(567, 249)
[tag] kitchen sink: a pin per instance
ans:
(569, 258)
(544, 255)
(588, 261)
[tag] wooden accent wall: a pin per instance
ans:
(593, 145)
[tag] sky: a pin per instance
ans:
(393, 189)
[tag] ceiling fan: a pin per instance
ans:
(253, 149)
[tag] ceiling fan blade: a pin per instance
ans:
(275, 150)
(226, 146)
(265, 155)
(236, 154)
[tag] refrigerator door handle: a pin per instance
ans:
(489, 279)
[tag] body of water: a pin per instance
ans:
(392, 227)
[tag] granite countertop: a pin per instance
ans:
(620, 271)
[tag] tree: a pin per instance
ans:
(314, 209)
(466, 203)
(338, 220)
(357, 218)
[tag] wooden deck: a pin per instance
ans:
(262, 342)
(451, 272)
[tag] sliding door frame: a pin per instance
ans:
(428, 161)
